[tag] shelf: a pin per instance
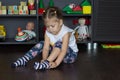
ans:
(12, 41)
(18, 15)
(13, 21)
(65, 14)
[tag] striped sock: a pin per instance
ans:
(21, 61)
(41, 66)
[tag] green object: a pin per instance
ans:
(110, 46)
(51, 3)
(85, 3)
(41, 4)
(67, 8)
(74, 12)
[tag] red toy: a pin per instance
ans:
(41, 7)
(31, 4)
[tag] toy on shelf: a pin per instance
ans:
(26, 35)
(72, 9)
(51, 3)
(3, 9)
(41, 7)
(2, 33)
(82, 32)
(86, 6)
(31, 4)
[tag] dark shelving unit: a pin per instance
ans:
(11, 22)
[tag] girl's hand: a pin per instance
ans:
(53, 65)
(42, 60)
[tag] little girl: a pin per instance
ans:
(59, 45)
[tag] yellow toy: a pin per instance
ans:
(2, 32)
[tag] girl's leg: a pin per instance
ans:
(55, 52)
(53, 55)
(33, 52)
(70, 56)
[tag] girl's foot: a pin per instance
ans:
(41, 66)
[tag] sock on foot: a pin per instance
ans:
(41, 66)
(20, 62)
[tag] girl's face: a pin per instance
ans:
(53, 25)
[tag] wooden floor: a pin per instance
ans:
(99, 64)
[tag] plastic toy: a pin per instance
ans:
(85, 3)
(2, 32)
(26, 35)
(86, 6)
(110, 45)
(82, 29)
(41, 7)
(72, 9)
(31, 4)
(68, 7)
(77, 8)
(51, 3)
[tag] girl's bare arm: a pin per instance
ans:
(63, 51)
(46, 48)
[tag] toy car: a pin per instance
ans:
(2, 32)
(22, 37)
